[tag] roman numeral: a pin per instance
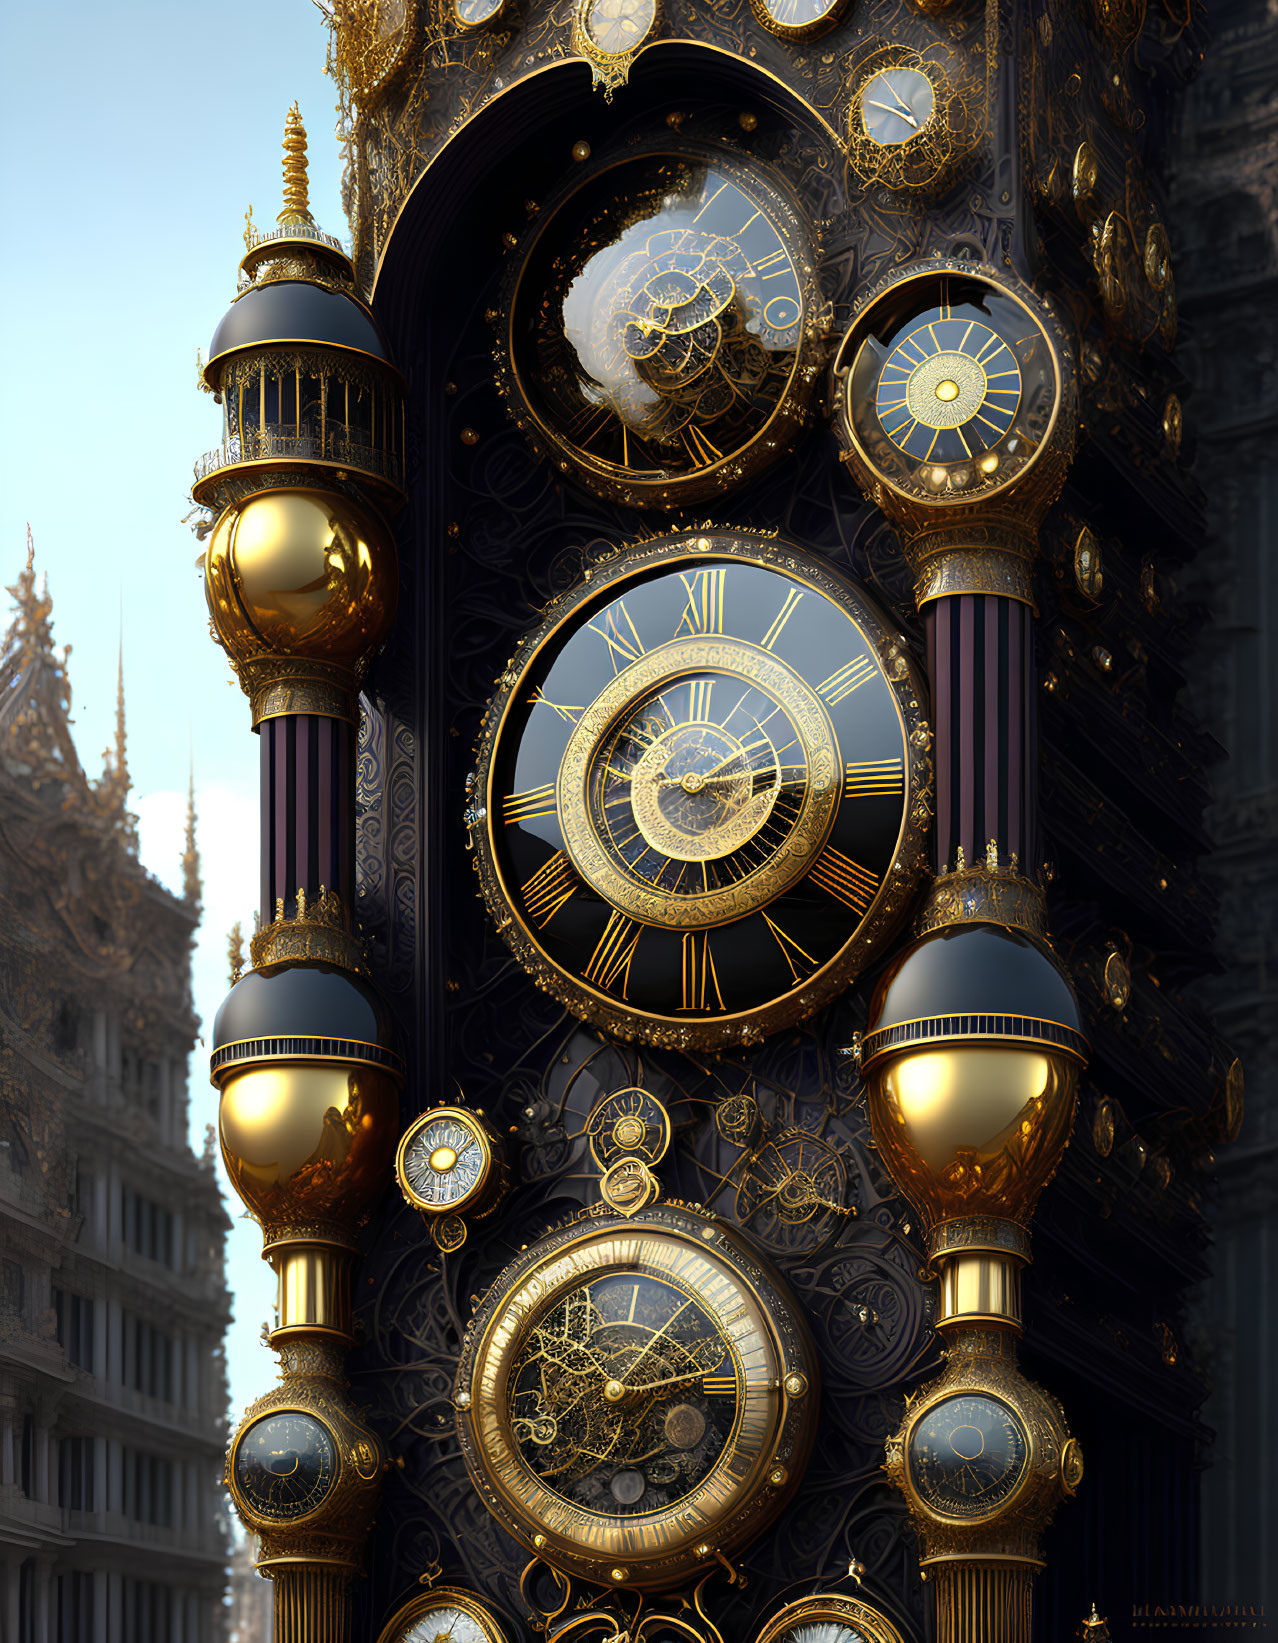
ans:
(790, 950)
(567, 711)
(549, 888)
(850, 677)
(703, 608)
(699, 447)
(777, 261)
(719, 1386)
(700, 982)
(699, 700)
(872, 777)
(537, 801)
(783, 616)
(611, 958)
(843, 879)
(623, 642)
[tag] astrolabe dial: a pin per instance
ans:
(829, 1617)
(632, 1390)
(797, 19)
(444, 1614)
(791, 1196)
(448, 1164)
(628, 1123)
(695, 810)
(284, 1466)
(951, 388)
(661, 327)
(967, 1456)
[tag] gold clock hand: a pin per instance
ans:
(668, 1380)
(902, 113)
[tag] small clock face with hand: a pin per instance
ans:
(444, 1162)
(967, 1456)
(829, 1617)
(698, 793)
(445, 1614)
(798, 19)
(284, 1466)
(896, 105)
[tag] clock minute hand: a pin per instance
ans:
(902, 113)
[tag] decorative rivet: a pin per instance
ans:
(581, 151)
(469, 437)
(747, 121)
(619, 1573)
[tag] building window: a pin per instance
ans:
(75, 1607)
(14, 1291)
(148, 1611)
(26, 1464)
(146, 1227)
(76, 1473)
(148, 1489)
(148, 1359)
(75, 1327)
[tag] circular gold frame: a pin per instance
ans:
(931, 157)
(798, 31)
(607, 1013)
(441, 1597)
(856, 339)
(772, 195)
(1029, 1465)
(831, 1606)
(250, 1513)
(459, 1115)
(775, 1428)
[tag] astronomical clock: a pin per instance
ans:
(689, 559)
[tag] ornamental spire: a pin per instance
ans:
(35, 693)
(192, 883)
(296, 191)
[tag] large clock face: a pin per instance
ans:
(967, 1455)
(698, 794)
(630, 1389)
(661, 325)
(284, 1465)
(953, 389)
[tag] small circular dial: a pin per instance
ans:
(790, 1199)
(967, 1455)
(285, 1465)
(896, 105)
(616, 27)
(797, 18)
(949, 390)
(659, 324)
(696, 795)
(623, 1395)
(444, 1162)
(953, 389)
(829, 1618)
(442, 1615)
(474, 14)
(628, 1123)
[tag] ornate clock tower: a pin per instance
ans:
(728, 834)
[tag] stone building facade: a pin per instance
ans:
(1225, 238)
(113, 1300)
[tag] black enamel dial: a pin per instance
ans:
(285, 1465)
(967, 1455)
(697, 798)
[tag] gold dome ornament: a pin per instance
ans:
(956, 408)
(302, 588)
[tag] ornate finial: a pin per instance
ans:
(111, 790)
(121, 740)
(250, 232)
(296, 202)
(235, 952)
(960, 860)
(192, 888)
(1093, 1628)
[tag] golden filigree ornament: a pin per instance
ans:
(1113, 257)
(372, 41)
(1173, 426)
(628, 1122)
(1117, 979)
(609, 34)
(910, 122)
(1084, 177)
(636, 1397)
(1089, 576)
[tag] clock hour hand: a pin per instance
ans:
(902, 113)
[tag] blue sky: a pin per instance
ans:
(133, 138)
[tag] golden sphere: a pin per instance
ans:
(301, 573)
(308, 1144)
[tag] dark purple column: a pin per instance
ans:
(980, 655)
(308, 810)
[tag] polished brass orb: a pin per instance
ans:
(971, 1061)
(301, 573)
